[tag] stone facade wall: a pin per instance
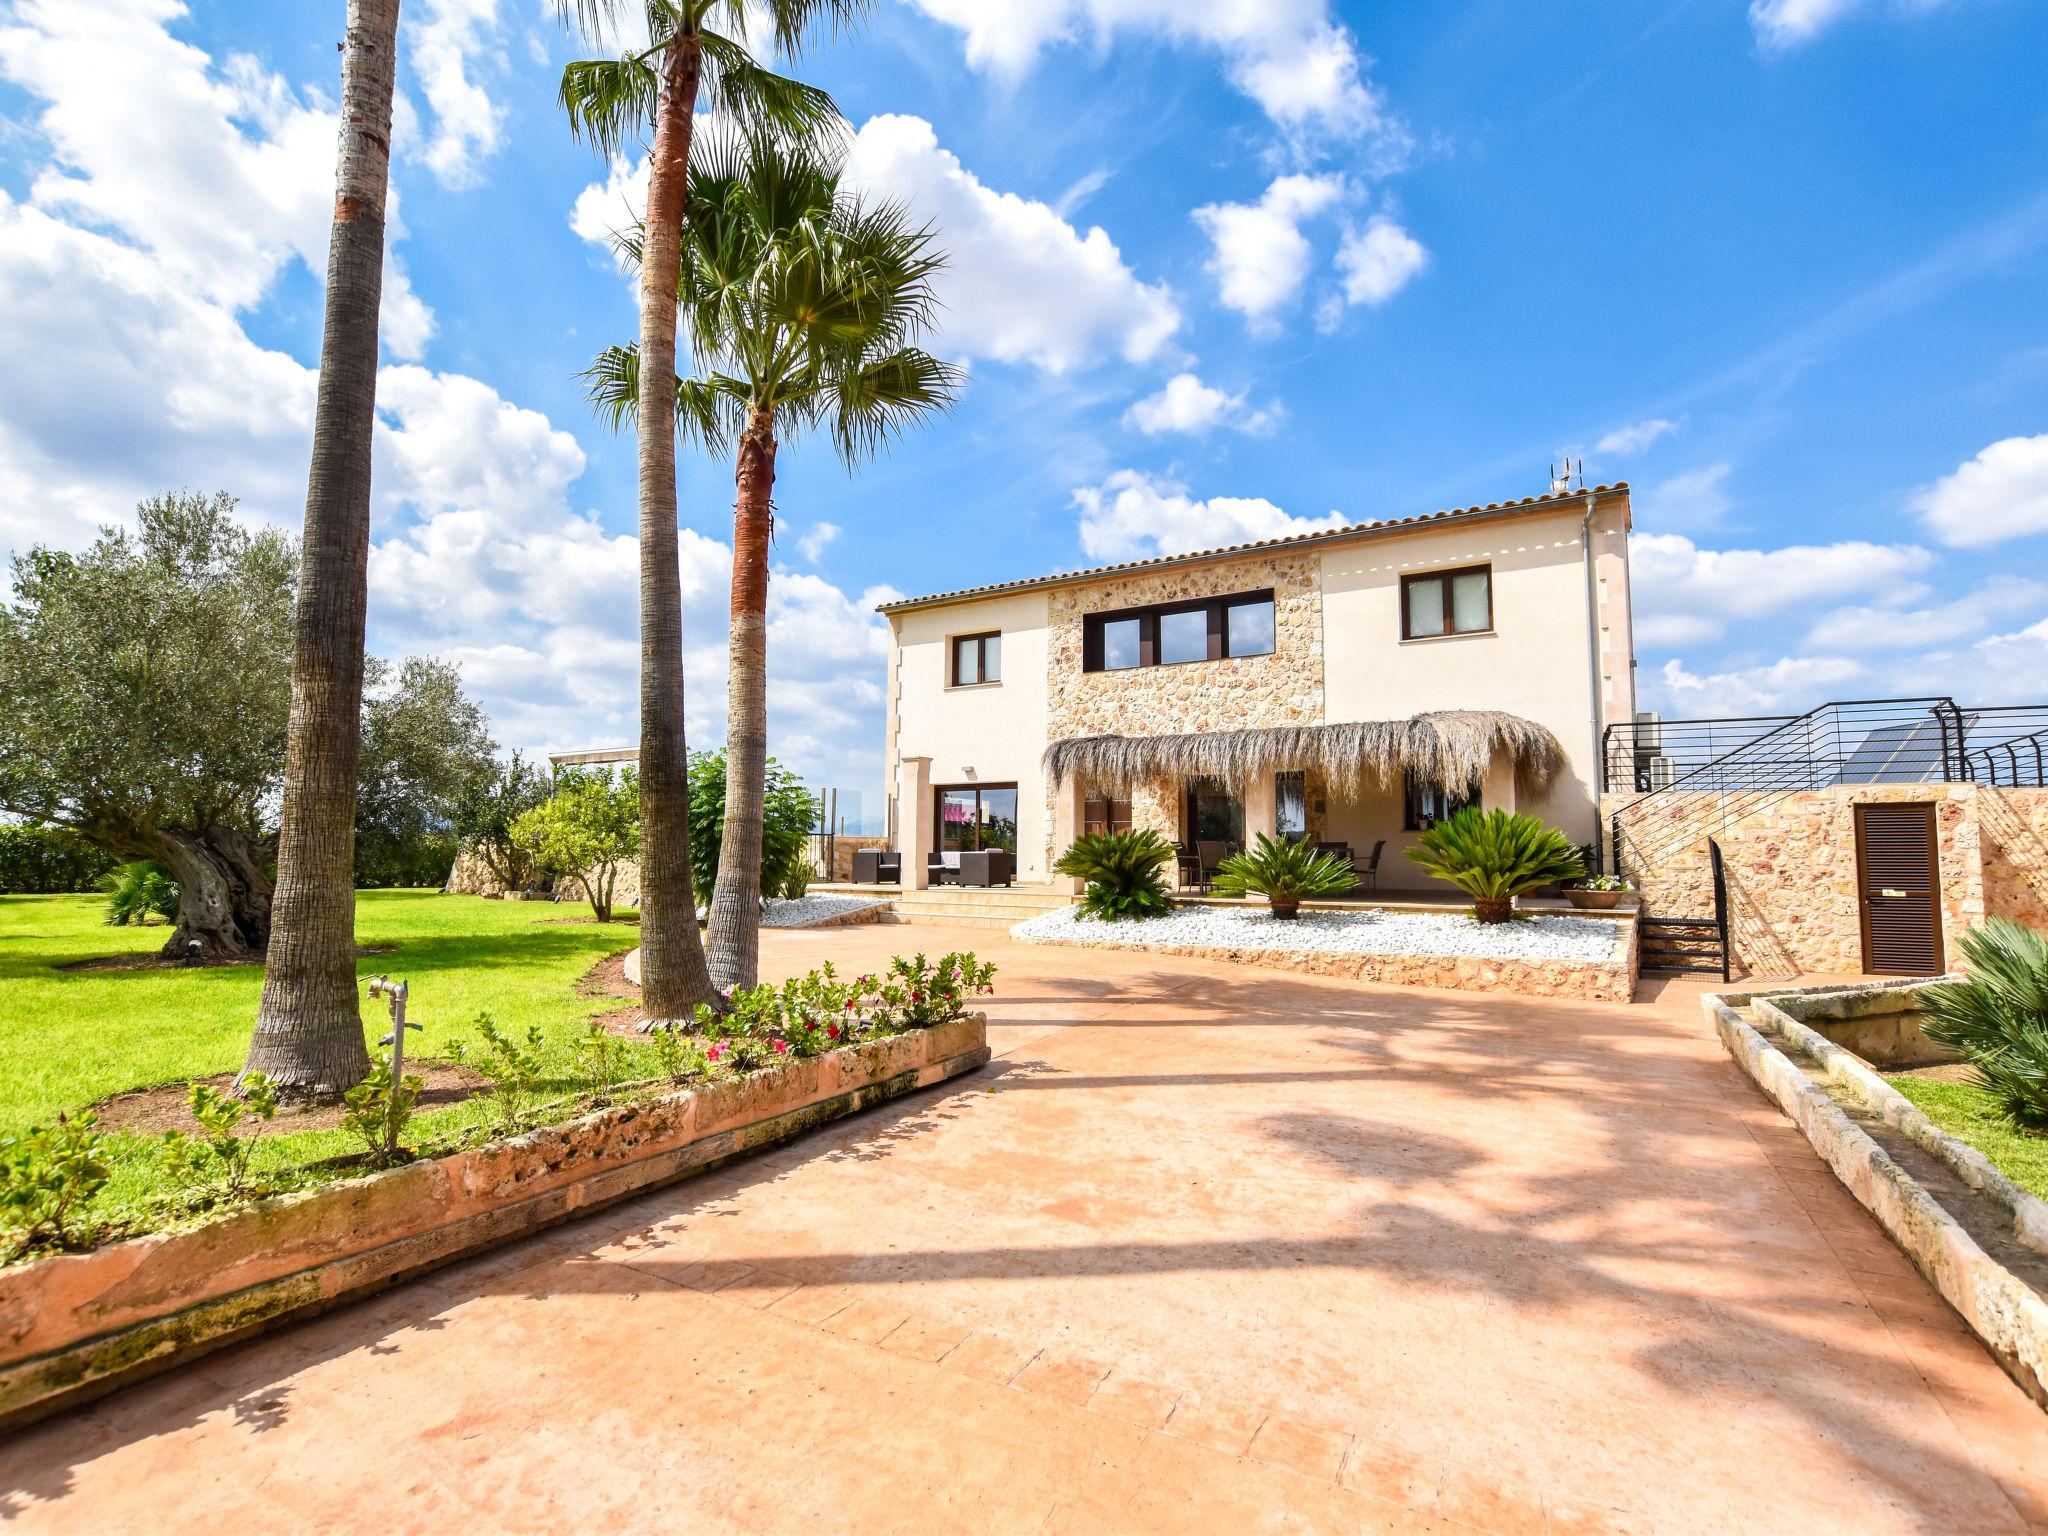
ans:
(1239, 692)
(1793, 900)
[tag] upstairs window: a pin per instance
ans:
(1169, 634)
(1447, 603)
(977, 659)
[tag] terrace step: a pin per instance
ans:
(1680, 945)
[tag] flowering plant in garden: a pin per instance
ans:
(818, 1012)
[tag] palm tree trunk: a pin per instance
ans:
(736, 909)
(674, 977)
(309, 1025)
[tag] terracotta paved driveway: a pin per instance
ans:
(1205, 1249)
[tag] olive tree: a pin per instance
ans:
(585, 831)
(144, 689)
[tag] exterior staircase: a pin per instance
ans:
(997, 907)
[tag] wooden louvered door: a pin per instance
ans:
(1898, 885)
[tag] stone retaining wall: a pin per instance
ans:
(1791, 869)
(78, 1325)
(1608, 981)
(2009, 1315)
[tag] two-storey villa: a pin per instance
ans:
(1349, 686)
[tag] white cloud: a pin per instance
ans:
(1781, 687)
(816, 539)
(1132, 514)
(1022, 285)
(1186, 404)
(1675, 580)
(449, 40)
(1377, 261)
(2000, 494)
(1788, 23)
(2009, 667)
(1696, 499)
(1258, 254)
(224, 175)
(1882, 629)
(1636, 436)
(1303, 69)
(612, 206)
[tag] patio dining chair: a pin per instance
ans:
(1209, 856)
(1368, 870)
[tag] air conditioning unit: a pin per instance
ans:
(1662, 772)
(1649, 731)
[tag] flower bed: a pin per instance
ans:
(77, 1325)
(1549, 956)
(821, 909)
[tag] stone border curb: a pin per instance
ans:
(1608, 981)
(2009, 1315)
(76, 1326)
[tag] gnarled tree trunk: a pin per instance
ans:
(673, 976)
(736, 909)
(224, 894)
(309, 1025)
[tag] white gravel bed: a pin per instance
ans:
(1371, 932)
(817, 908)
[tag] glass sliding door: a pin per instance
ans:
(1214, 813)
(974, 816)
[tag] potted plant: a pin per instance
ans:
(1284, 870)
(1495, 856)
(1597, 893)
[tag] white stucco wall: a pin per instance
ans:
(992, 733)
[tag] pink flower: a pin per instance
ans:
(832, 1031)
(781, 1046)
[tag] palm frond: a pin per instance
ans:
(884, 398)
(736, 84)
(610, 102)
(708, 411)
(792, 22)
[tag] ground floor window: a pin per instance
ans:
(973, 816)
(1214, 814)
(1101, 813)
(1428, 804)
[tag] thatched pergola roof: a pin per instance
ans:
(1448, 747)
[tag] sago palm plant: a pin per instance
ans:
(1998, 1017)
(1284, 870)
(1494, 856)
(803, 305)
(1123, 871)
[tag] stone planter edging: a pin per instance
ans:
(2003, 1310)
(75, 1326)
(1612, 980)
(1844, 1067)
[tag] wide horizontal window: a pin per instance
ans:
(1447, 603)
(977, 659)
(1170, 634)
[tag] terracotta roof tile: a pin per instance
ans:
(1319, 536)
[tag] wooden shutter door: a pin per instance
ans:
(1898, 886)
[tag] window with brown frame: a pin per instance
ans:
(1424, 805)
(1168, 634)
(977, 659)
(1458, 602)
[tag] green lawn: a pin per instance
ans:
(70, 1038)
(1970, 1114)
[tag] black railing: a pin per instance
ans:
(1645, 755)
(1858, 741)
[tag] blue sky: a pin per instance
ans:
(1219, 272)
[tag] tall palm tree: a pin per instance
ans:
(804, 305)
(696, 49)
(309, 1026)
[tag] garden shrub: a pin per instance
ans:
(603, 1060)
(48, 1174)
(1125, 874)
(586, 831)
(217, 1157)
(1997, 1017)
(514, 1068)
(377, 1111)
(1284, 870)
(139, 891)
(48, 861)
(1494, 856)
(788, 812)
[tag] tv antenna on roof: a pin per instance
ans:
(1563, 475)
